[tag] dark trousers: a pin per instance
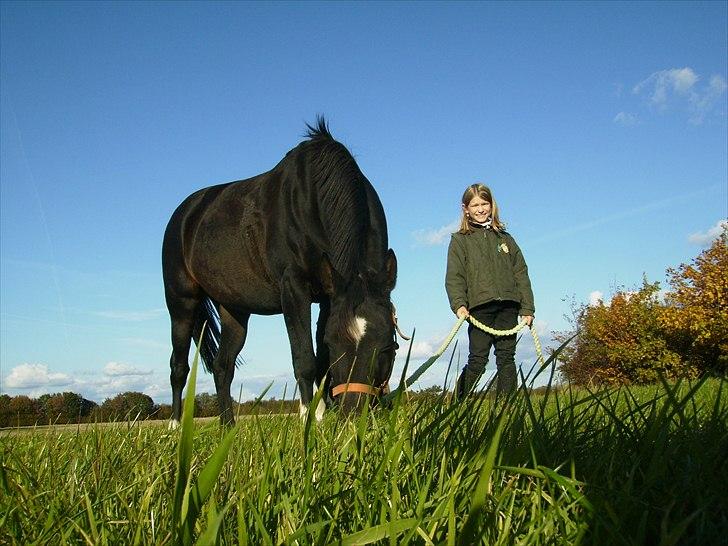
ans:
(502, 315)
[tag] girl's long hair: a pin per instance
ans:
(482, 191)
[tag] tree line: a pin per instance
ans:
(646, 333)
(70, 407)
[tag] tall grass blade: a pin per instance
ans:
(182, 529)
(378, 532)
(470, 534)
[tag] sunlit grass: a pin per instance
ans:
(622, 466)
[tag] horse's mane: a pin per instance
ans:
(343, 206)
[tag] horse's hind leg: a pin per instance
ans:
(233, 331)
(182, 313)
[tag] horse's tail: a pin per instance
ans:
(209, 346)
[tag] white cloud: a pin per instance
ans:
(28, 376)
(682, 85)
(663, 83)
(110, 386)
(705, 239)
(119, 369)
(595, 298)
(438, 236)
(132, 316)
(420, 349)
(36, 379)
(626, 119)
(702, 103)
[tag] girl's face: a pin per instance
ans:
(478, 209)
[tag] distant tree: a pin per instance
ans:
(43, 399)
(5, 413)
(622, 342)
(206, 405)
(695, 319)
(67, 407)
(263, 407)
(128, 405)
(20, 411)
(432, 392)
(162, 411)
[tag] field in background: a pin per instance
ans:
(640, 465)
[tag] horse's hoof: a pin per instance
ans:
(173, 424)
(318, 414)
(320, 409)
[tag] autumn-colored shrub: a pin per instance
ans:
(622, 342)
(638, 336)
(695, 317)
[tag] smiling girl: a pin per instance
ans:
(487, 278)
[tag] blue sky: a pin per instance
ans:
(600, 127)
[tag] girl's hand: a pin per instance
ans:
(528, 319)
(462, 312)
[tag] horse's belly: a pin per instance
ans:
(256, 298)
(241, 286)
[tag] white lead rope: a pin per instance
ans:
(430, 361)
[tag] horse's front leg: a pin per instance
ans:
(323, 380)
(296, 305)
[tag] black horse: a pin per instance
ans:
(311, 230)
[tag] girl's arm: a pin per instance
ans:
(523, 283)
(455, 284)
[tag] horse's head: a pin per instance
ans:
(360, 333)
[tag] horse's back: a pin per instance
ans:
(215, 236)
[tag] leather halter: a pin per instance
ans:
(360, 387)
(365, 388)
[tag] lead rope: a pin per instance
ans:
(475, 322)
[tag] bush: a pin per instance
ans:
(695, 319)
(621, 343)
(636, 337)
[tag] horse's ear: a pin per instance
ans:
(391, 270)
(326, 272)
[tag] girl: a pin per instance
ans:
(487, 278)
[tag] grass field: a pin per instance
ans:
(623, 466)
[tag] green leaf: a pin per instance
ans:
(379, 532)
(469, 534)
(184, 452)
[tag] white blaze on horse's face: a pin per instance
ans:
(357, 329)
(361, 352)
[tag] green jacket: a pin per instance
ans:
(485, 266)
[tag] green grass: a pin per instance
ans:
(621, 466)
